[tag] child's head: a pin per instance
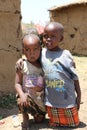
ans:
(30, 31)
(53, 34)
(31, 47)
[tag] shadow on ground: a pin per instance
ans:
(7, 113)
(44, 126)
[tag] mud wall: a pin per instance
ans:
(10, 47)
(74, 19)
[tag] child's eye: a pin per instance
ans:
(45, 36)
(26, 49)
(36, 49)
(53, 36)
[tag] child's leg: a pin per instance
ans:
(25, 123)
(23, 110)
(35, 111)
(25, 119)
(39, 118)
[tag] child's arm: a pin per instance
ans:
(78, 92)
(18, 87)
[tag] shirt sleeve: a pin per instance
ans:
(68, 64)
(71, 65)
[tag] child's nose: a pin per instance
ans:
(32, 53)
(48, 38)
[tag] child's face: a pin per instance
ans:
(51, 37)
(31, 49)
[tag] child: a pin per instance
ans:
(29, 82)
(61, 80)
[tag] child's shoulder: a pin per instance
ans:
(67, 53)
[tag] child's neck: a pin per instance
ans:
(36, 63)
(56, 49)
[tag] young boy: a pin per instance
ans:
(29, 82)
(62, 90)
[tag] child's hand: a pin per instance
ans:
(23, 100)
(19, 64)
(78, 103)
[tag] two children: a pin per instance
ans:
(29, 82)
(62, 90)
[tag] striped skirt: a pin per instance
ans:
(31, 107)
(63, 116)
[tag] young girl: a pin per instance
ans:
(62, 90)
(29, 82)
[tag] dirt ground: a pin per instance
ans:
(81, 68)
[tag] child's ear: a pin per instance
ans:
(61, 38)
